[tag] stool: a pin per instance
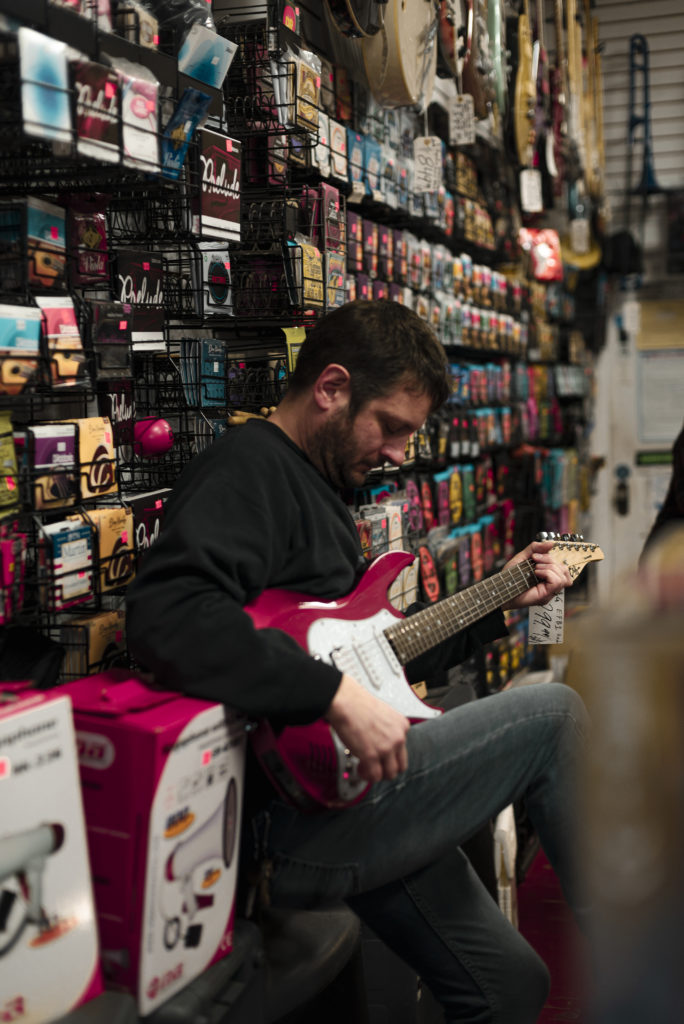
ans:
(273, 972)
(306, 950)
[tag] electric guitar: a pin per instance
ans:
(575, 84)
(366, 637)
(593, 106)
(543, 127)
(525, 99)
(496, 30)
(401, 59)
(559, 101)
(477, 64)
(452, 33)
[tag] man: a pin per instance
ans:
(260, 509)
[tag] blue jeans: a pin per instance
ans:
(395, 857)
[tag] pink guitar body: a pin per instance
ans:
(309, 764)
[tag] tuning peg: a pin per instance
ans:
(543, 535)
(566, 536)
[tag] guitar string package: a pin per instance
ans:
(45, 96)
(114, 544)
(93, 643)
(65, 566)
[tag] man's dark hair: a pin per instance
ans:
(383, 344)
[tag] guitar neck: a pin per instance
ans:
(560, 42)
(428, 628)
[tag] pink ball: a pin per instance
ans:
(153, 436)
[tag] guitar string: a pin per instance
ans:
(409, 638)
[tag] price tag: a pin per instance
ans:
(427, 156)
(462, 121)
(546, 621)
(631, 317)
(531, 199)
(580, 240)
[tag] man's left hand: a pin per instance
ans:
(552, 575)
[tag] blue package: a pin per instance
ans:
(186, 118)
(205, 55)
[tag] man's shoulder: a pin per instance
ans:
(253, 440)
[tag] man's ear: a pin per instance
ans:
(332, 389)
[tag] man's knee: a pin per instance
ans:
(562, 700)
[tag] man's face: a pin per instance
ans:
(347, 448)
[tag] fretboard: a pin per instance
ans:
(426, 629)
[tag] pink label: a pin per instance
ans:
(54, 231)
(4, 767)
(229, 145)
(140, 106)
(124, 537)
(158, 503)
(146, 266)
(10, 483)
(206, 757)
(123, 324)
(110, 90)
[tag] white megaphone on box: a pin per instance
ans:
(210, 844)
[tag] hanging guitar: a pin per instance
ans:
(366, 637)
(401, 59)
(452, 37)
(477, 63)
(594, 114)
(575, 96)
(357, 18)
(525, 94)
(544, 139)
(496, 30)
(563, 158)
(592, 170)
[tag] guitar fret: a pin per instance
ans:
(440, 621)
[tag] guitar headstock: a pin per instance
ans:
(572, 551)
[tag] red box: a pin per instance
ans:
(162, 778)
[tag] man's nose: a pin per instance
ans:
(394, 452)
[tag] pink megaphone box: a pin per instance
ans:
(162, 779)
(49, 955)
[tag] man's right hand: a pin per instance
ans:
(371, 729)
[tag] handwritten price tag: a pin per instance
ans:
(427, 156)
(531, 199)
(462, 121)
(546, 622)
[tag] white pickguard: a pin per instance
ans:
(361, 649)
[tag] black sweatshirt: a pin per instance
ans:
(251, 513)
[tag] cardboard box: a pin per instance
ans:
(162, 779)
(49, 958)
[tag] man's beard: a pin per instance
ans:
(334, 452)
